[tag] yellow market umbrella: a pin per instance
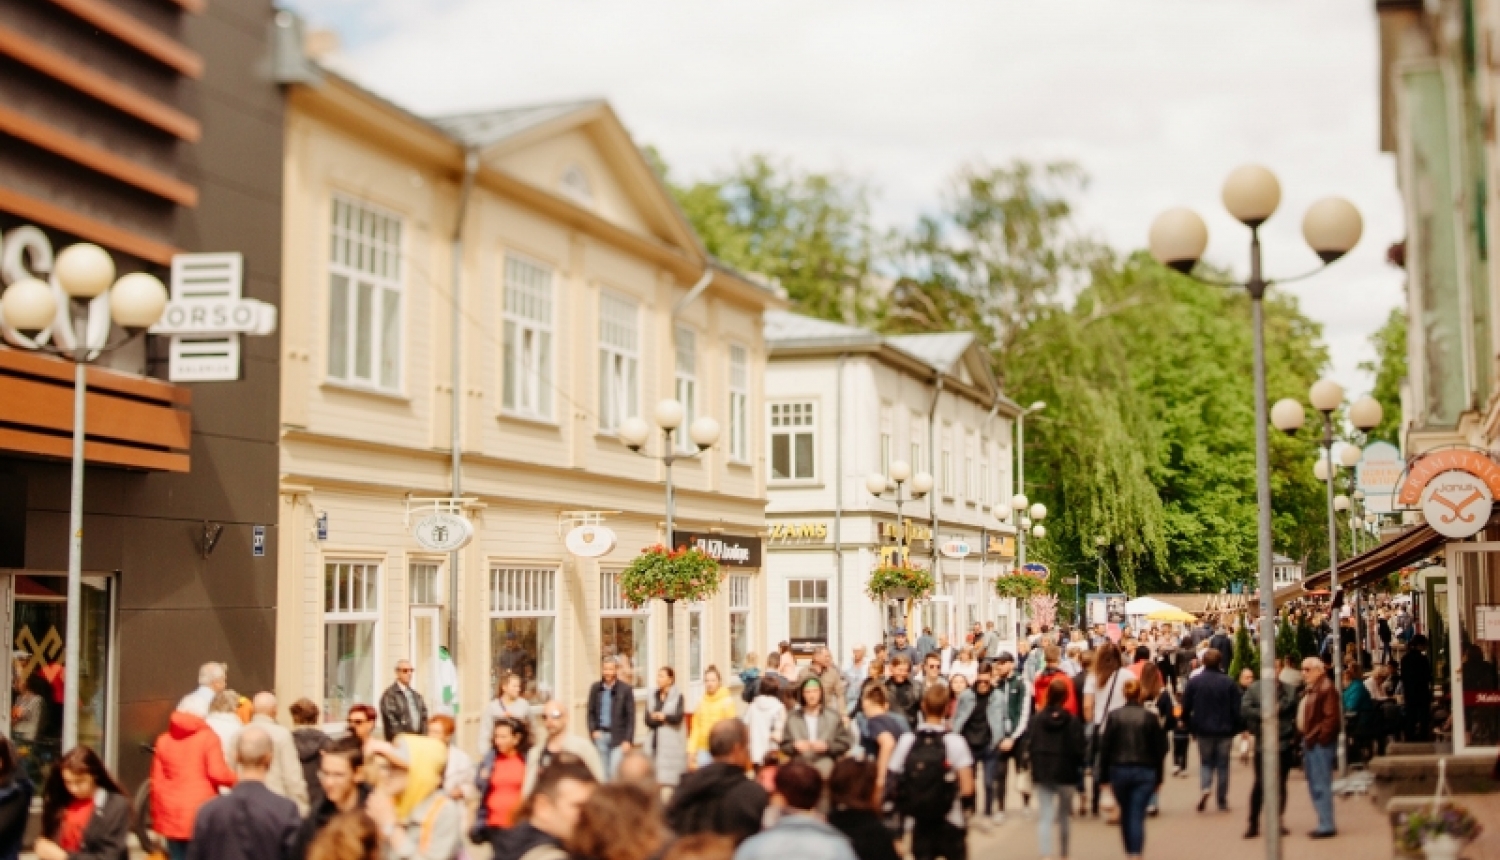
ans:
(1177, 615)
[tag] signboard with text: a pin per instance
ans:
(1378, 474)
(728, 550)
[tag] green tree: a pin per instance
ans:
(1389, 368)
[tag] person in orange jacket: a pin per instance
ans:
(187, 772)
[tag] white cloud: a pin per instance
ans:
(1157, 99)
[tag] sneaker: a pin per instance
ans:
(1322, 834)
(1153, 811)
(1253, 832)
(997, 819)
(1203, 801)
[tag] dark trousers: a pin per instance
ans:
(1418, 721)
(1180, 750)
(1257, 793)
(991, 767)
(1133, 785)
(930, 841)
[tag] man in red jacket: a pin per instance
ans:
(186, 773)
(1052, 654)
(1318, 718)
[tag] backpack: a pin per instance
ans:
(928, 785)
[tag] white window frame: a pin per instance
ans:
(919, 462)
(947, 476)
(739, 404)
(346, 612)
(788, 411)
(972, 492)
(809, 604)
(887, 439)
(423, 596)
(685, 376)
(528, 349)
(367, 257)
(523, 591)
(696, 662)
(619, 360)
(741, 607)
(612, 605)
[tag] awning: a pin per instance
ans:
(1374, 564)
(1146, 606)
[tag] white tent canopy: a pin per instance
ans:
(1146, 606)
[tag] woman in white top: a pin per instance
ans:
(766, 719)
(965, 665)
(509, 703)
(1103, 694)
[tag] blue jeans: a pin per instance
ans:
(985, 762)
(1133, 785)
(609, 756)
(1055, 807)
(1213, 756)
(1317, 764)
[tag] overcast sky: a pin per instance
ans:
(1156, 99)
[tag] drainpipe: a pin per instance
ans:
(681, 305)
(984, 543)
(455, 418)
(932, 458)
(838, 503)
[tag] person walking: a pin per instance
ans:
(558, 743)
(251, 822)
(933, 771)
(821, 667)
(718, 798)
(85, 814)
(500, 780)
(1286, 737)
(880, 733)
(1131, 753)
(1052, 669)
(16, 791)
(715, 707)
(1318, 718)
(618, 822)
(855, 673)
(187, 771)
(508, 702)
(1056, 743)
(965, 664)
(1211, 708)
(991, 717)
(926, 644)
(361, 722)
(458, 772)
(905, 694)
(611, 716)
(550, 814)
(1103, 694)
(900, 648)
(310, 741)
(285, 777)
(402, 709)
(853, 798)
(348, 836)
(339, 791)
(417, 819)
(225, 721)
(815, 734)
(800, 832)
(1416, 685)
(213, 679)
(666, 742)
(766, 721)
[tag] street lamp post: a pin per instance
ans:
(1100, 543)
(1020, 496)
(704, 432)
(71, 318)
(901, 486)
(1178, 238)
(1326, 396)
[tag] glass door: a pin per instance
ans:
(425, 639)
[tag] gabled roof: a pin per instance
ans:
(786, 329)
(942, 350)
(486, 128)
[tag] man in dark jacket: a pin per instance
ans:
(1416, 686)
(1286, 734)
(1222, 643)
(719, 798)
(611, 717)
(904, 693)
(562, 788)
(401, 708)
(1211, 707)
(249, 823)
(339, 789)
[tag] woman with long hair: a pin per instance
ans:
(1132, 748)
(1103, 694)
(619, 821)
(348, 836)
(509, 701)
(853, 798)
(84, 812)
(1157, 699)
(502, 773)
(667, 742)
(766, 719)
(1056, 745)
(956, 685)
(16, 791)
(715, 707)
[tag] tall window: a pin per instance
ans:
(623, 633)
(984, 480)
(695, 642)
(364, 296)
(687, 386)
(739, 404)
(523, 627)
(351, 608)
(619, 361)
(526, 384)
(793, 433)
(919, 462)
(424, 583)
(807, 610)
(739, 622)
(947, 473)
(971, 477)
(886, 441)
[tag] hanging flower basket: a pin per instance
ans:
(686, 573)
(899, 583)
(1439, 832)
(1020, 586)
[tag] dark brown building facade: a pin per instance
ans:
(151, 128)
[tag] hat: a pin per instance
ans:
(1005, 657)
(899, 631)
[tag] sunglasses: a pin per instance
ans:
(359, 722)
(407, 671)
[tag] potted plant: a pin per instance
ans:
(895, 582)
(1020, 586)
(685, 573)
(1439, 832)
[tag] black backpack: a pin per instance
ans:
(928, 785)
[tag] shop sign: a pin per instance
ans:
(1378, 475)
(1003, 546)
(1036, 569)
(955, 548)
(1427, 467)
(799, 531)
(443, 532)
(728, 550)
(590, 541)
(1457, 504)
(206, 316)
(1482, 698)
(906, 532)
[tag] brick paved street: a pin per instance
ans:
(1181, 833)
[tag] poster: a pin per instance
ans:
(1487, 622)
(1107, 611)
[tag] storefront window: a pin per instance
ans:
(623, 632)
(739, 623)
(807, 611)
(1479, 638)
(523, 629)
(351, 609)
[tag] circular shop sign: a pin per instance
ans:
(590, 541)
(955, 548)
(443, 532)
(1457, 504)
(1036, 569)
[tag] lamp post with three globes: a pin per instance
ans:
(901, 486)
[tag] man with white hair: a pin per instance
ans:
(213, 678)
(285, 776)
(402, 709)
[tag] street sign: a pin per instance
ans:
(258, 541)
(1070, 580)
(443, 532)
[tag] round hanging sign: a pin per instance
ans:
(1036, 569)
(590, 541)
(955, 548)
(443, 532)
(1457, 504)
